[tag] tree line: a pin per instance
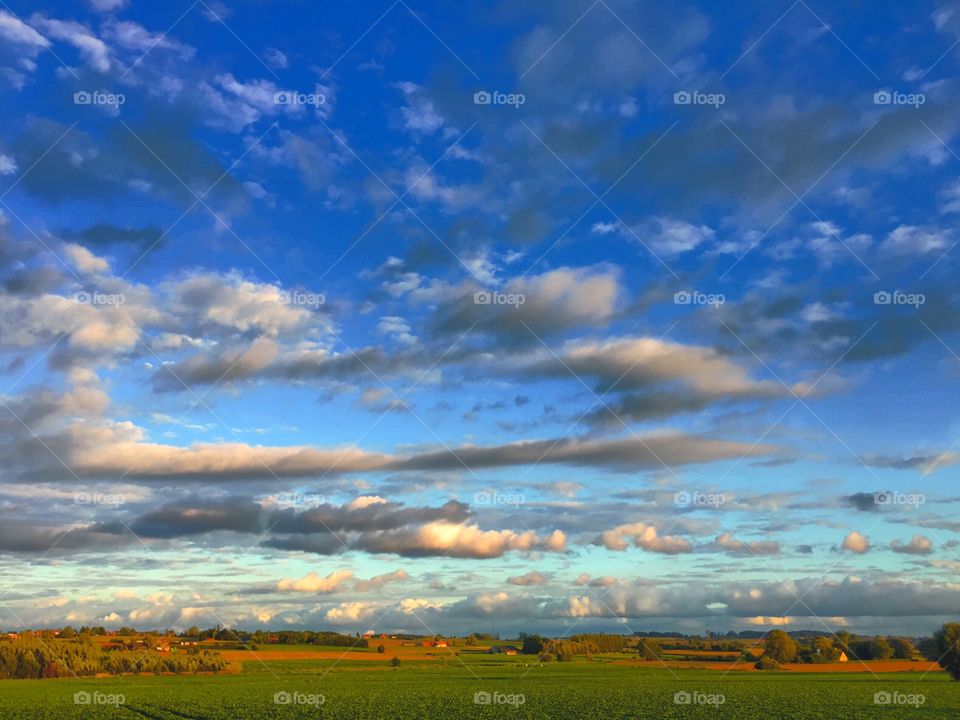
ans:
(564, 650)
(943, 648)
(281, 637)
(31, 658)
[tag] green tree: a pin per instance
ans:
(947, 640)
(767, 663)
(881, 649)
(532, 645)
(823, 648)
(395, 661)
(780, 647)
(872, 649)
(381, 649)
(649, 649)
(928, 648)
(902, 648)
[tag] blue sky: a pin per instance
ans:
(299, 330)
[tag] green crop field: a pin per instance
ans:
(414, 690)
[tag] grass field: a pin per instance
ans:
(359, 690)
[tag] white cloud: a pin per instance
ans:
(378, 581)
(918, 545)
(350, 612)
(133, 36)
(462, 540)
(14, 30)
(830, 246)
(424, 184)
(856, 543)
(628, 108)
(603, 582)
(123, 447)
(365, 501)
(646, 537)
(84, 260)
(419, 114)
(231, 301)
(644, 363)
(93, 50)
(911, 239)
(534, 577)
(398, 328)
(410, 606)
(662, 235)
(276, 59)
(950, 198)
(726, 541)
(8, 166)
(773, 621)
(314, 583)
